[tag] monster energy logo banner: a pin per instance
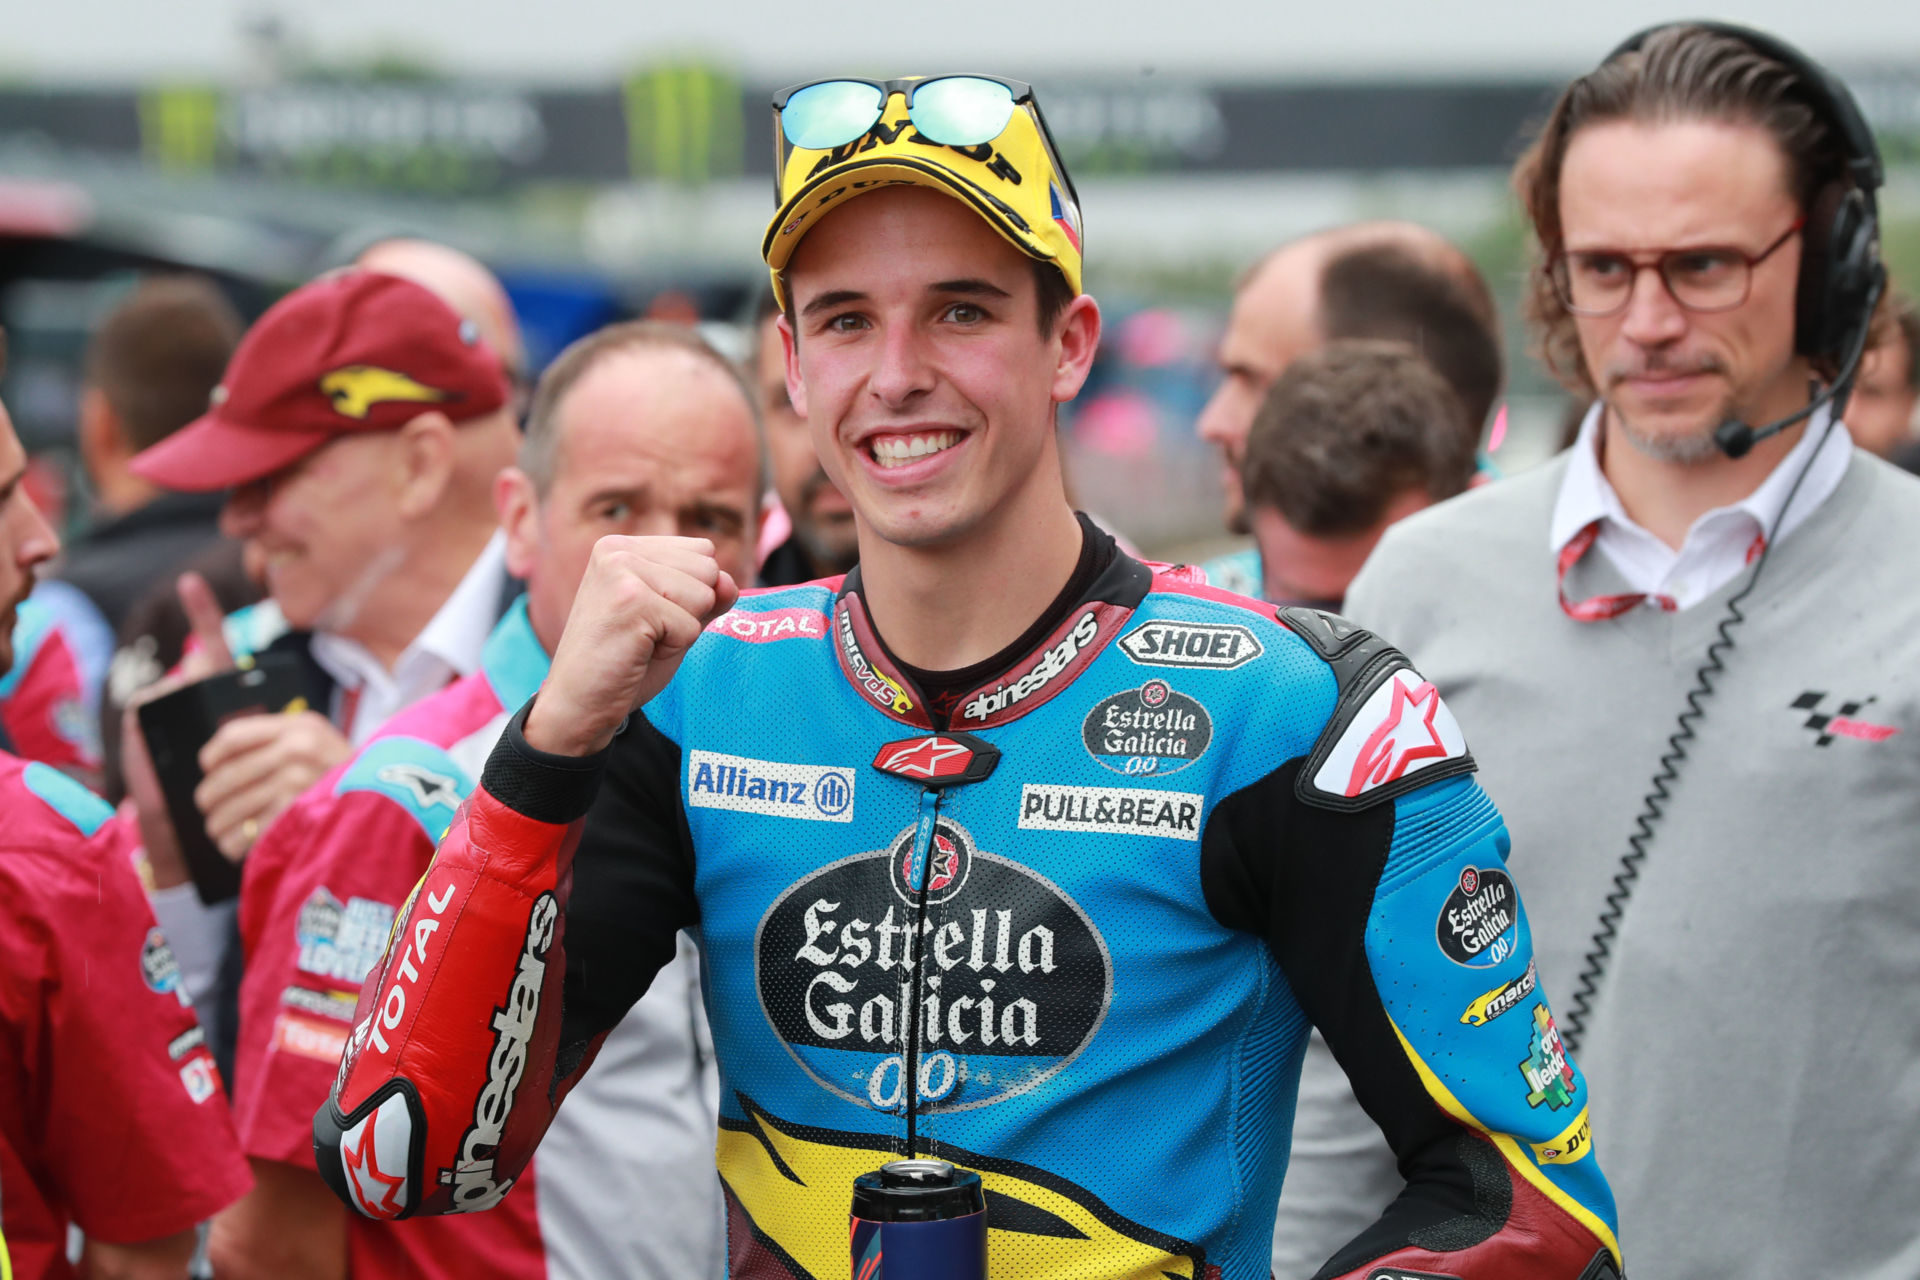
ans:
(419, 137)
(678, 123)
(690, 123)
(684, 124)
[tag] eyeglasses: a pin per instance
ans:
(1599, 282)
(953, 111)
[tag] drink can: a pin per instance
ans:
(922, 1219)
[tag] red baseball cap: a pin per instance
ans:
(352, 351)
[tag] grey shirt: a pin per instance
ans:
(1754, 1052)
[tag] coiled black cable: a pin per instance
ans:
(1653, 804)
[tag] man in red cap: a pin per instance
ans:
(359, 428)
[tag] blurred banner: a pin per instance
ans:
(694, 124)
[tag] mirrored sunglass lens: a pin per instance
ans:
(961, 111)
(830, 114)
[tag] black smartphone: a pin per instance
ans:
(178, 725)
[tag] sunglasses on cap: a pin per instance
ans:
(951, 110)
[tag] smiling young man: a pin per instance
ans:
(1005, 849)
(1703, 205)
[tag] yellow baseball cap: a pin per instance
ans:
(837, 139)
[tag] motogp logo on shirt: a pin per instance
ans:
(1479, 924)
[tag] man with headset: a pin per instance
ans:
(1006, 849)
(1713, 545)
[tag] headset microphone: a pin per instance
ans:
(1735, 438)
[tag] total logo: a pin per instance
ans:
(816, 793)
(771, 624)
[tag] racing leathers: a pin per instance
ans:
(1073, 938)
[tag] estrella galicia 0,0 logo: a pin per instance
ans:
(1151, 730)
(1479, 924)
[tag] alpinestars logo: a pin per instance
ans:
(425, 786)
(923, 757)
(942, 760)
(374, 1160)
(1055, 660)
(1402, 728)
(1405, 737)
(474, 1187)
(1841, 722)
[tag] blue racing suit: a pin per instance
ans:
(1078, 920)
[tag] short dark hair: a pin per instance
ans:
(159, 353)
(1052, 295)
(540, 447)
(1348, 428)
(1384, 291)
(1677, 73)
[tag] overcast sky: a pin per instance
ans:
(103, 41)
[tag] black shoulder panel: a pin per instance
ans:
(1362, 662)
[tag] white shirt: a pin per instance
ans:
(447, 648)
(1718, 544)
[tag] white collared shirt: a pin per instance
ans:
(447, 647)
(1720, 543)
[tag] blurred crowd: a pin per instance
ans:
(329, 554)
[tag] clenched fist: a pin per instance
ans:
(640, 607)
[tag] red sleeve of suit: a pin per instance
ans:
(440, 1114)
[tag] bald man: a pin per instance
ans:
(1387, 280)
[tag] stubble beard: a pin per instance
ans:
(1689, 448)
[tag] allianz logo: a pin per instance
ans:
(816, 793)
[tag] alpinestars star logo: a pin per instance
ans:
(1841, 723)
(374, 1192)
(925, 758)
(942, 760)
(1401, 740)
(425, 786)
